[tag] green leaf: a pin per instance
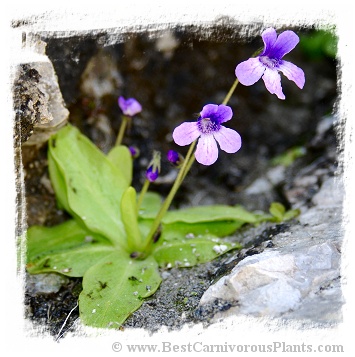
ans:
(189, 236)
(121, 158)
(279, 213)
(264, 217)
(189, 252)
(130, 219)
(289, 156)
(320, 43)
(67, 248)
(58, 183)
(219, 229)
(150, 205)
(197, 225)
(277, 210)
(212, 213)
(86, 182)
(290, 214)
(114, 288)
(219, 220)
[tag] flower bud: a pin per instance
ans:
(175, 158)
(134, 151)
(153, 170)
(151, 174)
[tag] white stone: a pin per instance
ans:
(260, 185)
(275, 282)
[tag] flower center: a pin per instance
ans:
(207, 126)
(269, 62)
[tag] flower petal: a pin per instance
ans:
(206, 151)
(250, 71)
(151, 175)
(224, 113)
(269, 37)
(129, 106)
(272, 80)
(228, 139)
(292, 72)
(133, 107)
(122, 103)
(186, 133)
(285, 43)
(208, 110)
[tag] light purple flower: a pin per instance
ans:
(268, 64)
(209, 130)
(130, 106)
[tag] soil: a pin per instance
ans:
(172, 85)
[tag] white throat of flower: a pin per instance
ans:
(269, 62)
(207, 126)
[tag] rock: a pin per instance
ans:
(38, 102)
(101, 76)
(167, 44)
(70, 55)
(260, 185)
(45, 283)
(29, 102)
(99, 81)
(299, 277)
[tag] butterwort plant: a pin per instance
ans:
(119, 240)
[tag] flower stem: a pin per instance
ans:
(165, 206)
(122, 130)
(229, 94)
(185, 168)
(188, 166)
(142, 193)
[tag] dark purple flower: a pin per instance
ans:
(153, 170)
(268, 64)
(209, 130)
(152, 174)
(130, 106)
(134, 151)
(174, 157)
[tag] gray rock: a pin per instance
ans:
(38, 102)
(101, 76)
(45, 283)
(167, 44)
(299, 277)
(260, 185)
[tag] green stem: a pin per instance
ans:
(141, 195)
(169, 198)
(188, 167)
(122, 130)
(229, 94)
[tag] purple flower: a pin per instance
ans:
(268, 64)
(130, 106)
(208, 129)
(153, 170)
(134, 151)
(152, 174)
(174, 157)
